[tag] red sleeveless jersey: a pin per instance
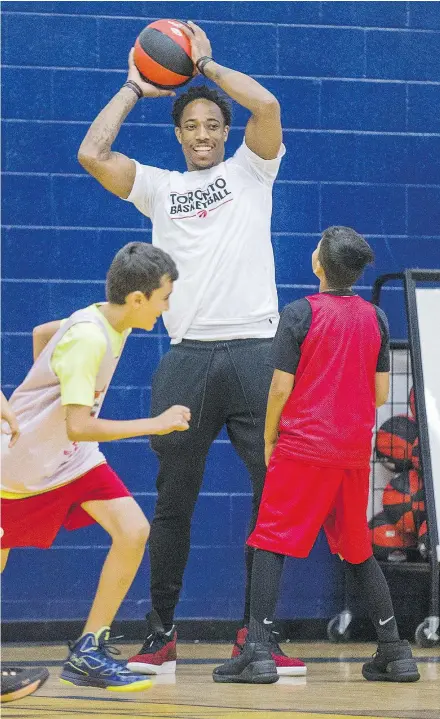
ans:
(329, 416)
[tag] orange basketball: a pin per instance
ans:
(394, 442)
(162, 54)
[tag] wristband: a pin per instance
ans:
(135, 87)
(201, 62)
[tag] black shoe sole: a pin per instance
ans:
(403, 670)
(254, 673)
(240, 679)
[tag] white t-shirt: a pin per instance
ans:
(215, 224)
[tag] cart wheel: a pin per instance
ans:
(338, 628)
(424, 635)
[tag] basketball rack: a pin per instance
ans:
(425, 573)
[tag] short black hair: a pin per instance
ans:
(343, 254)
(201, 92)
(138, 266)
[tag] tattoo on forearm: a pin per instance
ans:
(215, 72)
(104, 129)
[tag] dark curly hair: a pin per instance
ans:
(203, 92)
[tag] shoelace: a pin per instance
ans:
(106, 646)
(159, 638)
(155, 637)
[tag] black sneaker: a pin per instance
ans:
(19, 682)
(393, 662)
(286, 666)
(253, 666)
(158, 654)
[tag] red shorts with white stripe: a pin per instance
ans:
(298, 499)
(35, 521)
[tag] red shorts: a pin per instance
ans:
(298, 499)
(36, 521)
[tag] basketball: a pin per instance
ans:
(403, 500)
(397, 497)
(394, 442)
(162, 54)
(387, 538)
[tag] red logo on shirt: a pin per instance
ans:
(73, 448)
(198, 203)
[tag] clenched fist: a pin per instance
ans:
(174, 419)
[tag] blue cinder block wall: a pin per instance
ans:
(359, 84)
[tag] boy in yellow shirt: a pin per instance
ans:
(56, 475)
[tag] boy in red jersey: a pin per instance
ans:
(331, 360)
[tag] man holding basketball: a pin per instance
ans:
(214, 220)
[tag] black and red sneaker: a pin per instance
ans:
(286, 666)
(158, 654)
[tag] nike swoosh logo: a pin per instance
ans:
(267, 621)
(385, 621)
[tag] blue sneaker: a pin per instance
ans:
(90, 664)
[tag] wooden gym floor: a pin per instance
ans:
(334, 688)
